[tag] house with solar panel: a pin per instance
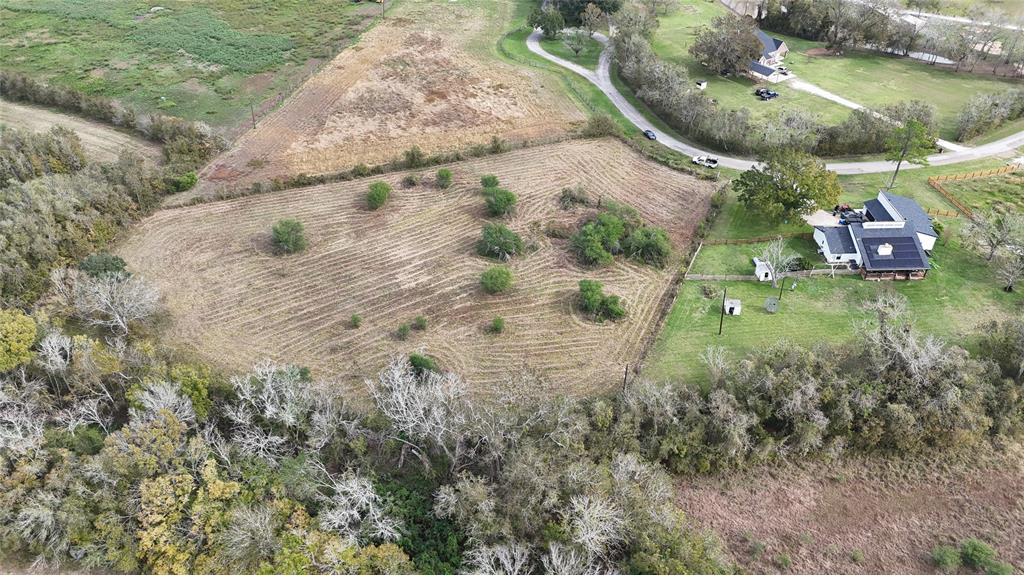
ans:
(889, 239)
(773, 51)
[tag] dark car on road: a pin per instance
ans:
(650, 135)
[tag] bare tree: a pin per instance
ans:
(249, 537)
(713, 357)
(777, 259)
(1010, 268)
(596, 524)
(992, 230)
(163, 395)
(54, 353)
(22, 414)
(114, 300)
(564, 560)
(591, 18)
(354, 510)
(507, 559)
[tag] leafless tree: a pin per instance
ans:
(777, 258)
(657, 402)
(22, 414)
(564, 560)
(1010, 268)
(591, 18)
(114, 301)
(992, 230)
(354, 510)
(54, 353)
(505, 559)
(713, 357)
(249, 537)
(596, 524)
(163, 395)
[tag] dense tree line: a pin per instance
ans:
(985, 112)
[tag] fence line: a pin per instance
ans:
(950, 197)
(754, 278)
(729, 242)
(942, 213)
(936, 183)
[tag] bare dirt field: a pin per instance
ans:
(101, 142)
(235, 303)
(427, 76)
(866, 516)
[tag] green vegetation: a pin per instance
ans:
(498, 242)
(204, 61)
(102, 264)
(598, 240)
(1000, 193)
(946, 558)
(444, 178)
(378, 195)
(419, 323)
(489, 181)
(594, 302)
(499, 202)
(649, 245)
(403, 331)
(976, 554)
(289, 236)
(497, 325)
(422, 363)
(17, 334)
(355, 321)
(497, 279)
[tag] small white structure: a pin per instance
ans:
(837, 244)
(732, 307)
(763, 271)
(702, 85)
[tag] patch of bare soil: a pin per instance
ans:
(101, 142)
(234, 303)
(819, 52)
(413, 80)
(863, 516)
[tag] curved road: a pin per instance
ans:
(602, 79)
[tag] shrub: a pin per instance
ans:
(783, 561)
(574, 196)
(17, 334)
(496, 280)
(361, 170)
(598, 240)
(355, 321)
(422, 363)
(499, 202)
(999, 568)
(184, 182)
(976, 554)
(411, 180)
(414, 157)
(601, 125)
(420, 323)
(489, 181)
(403, 332)
(378, 195)
(101, 264)
(594, 302)
(498, 242)
(649, 245)
(857, 556)
(289, 236)
(497, 325)
(444, 178)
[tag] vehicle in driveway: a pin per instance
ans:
(650, 135)
(706, 161)
(766, 94)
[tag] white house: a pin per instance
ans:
(892, 208)
(837, 244)
(773, 51)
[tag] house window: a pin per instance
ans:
(837, 258)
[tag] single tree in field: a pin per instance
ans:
(728, 46)
(1010, 268)
(547, 19)
(289, 236)
(576, 41)
(787, 185)
(591, 18)
(910, 142)
(778, 259)
(992, 230)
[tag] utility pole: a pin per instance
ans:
(782, 285)
(721, 320)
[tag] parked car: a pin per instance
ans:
(766, 94)
(706, 161)
(650, 135)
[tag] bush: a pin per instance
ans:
(422, 363)
(414, 157)
(361, 170)
(355, 321)
(489, 181)
(403, 332)
(649, 245)
(976, 554)
(496, 280)
(499, 202)
(101, 264)
(378, 195)
(594, 302)
(411, 180)
(946, 558)
(574, 196)
(601, 125)
(289, 236)
(498, 242)
(184, 182)
(598, 240)
(420, 323)
(444, 178)
(497, 325)
(999, 568)
(17, 334)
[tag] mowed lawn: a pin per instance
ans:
(868, 78)
(960, 292)
(588, 56)
(204, 60)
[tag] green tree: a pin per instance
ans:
(378, 195)
(593, 301)
(788, 184)
(101, 264)
(649, 245)
(499, 202)
(444, 178)
(489, 181)
(17, 333)
(910, 142)
(728, 46)
(289, 236)
(496, 279)
(547, 19)
(499, 242)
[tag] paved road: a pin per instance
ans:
(602, 79)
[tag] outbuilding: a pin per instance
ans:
(732, 307)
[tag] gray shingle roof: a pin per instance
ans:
(907, 253)
(912, 212)
(769, 44)
(838, 239)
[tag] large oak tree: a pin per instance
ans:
(788, 184)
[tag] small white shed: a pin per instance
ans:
(733, 307)
(762, 271)
(702, 85)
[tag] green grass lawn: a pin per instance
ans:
(867, 78)
(587, 58)
(198, 60)
(1002, 193)
(959, 293)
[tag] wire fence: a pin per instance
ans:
(742, 241)
(936, 183)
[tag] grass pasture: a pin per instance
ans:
(588, 57)
(1002, 193)
(234, 302)
(204, 60)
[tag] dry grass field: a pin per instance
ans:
(863, 516)
(100, 141)
(426, 76)
(235, 303)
